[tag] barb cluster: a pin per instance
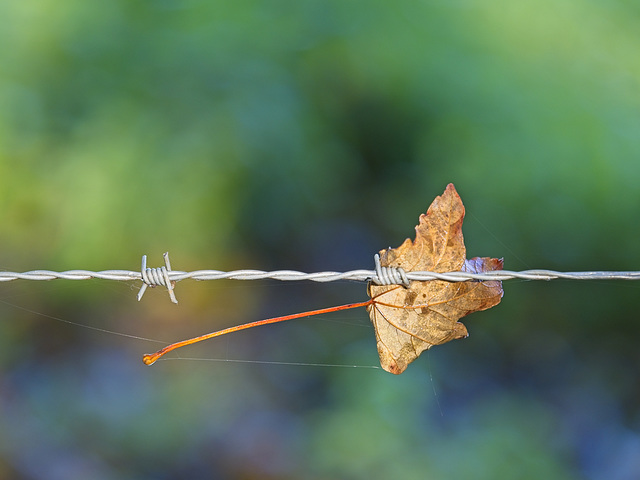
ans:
(166, 277)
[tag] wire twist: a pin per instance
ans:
(164, 276)
(389, 275)
(152, 277)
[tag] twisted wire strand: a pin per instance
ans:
(293, 275)
(164, 276)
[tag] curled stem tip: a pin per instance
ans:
(150, 358)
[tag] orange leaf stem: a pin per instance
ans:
(150, 358)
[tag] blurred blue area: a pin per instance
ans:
(309, 135)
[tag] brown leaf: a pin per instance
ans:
(409, 320)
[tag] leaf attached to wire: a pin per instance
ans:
(409, 320)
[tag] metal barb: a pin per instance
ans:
(152, 277)
(389, 275)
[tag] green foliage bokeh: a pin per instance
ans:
(309, 135)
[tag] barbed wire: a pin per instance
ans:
(164, 276)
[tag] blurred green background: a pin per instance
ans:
(308, 135)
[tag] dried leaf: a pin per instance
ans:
(409, 320)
